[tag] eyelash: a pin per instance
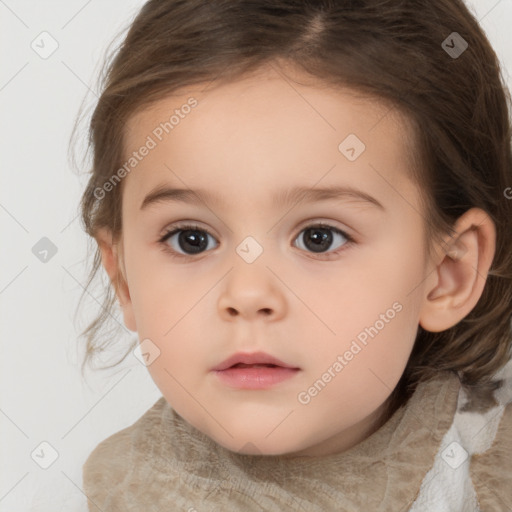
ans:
(194, 227)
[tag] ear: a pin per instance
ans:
(111, 259)
(463, 262)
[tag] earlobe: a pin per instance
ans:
(457, 282)
(111, 261)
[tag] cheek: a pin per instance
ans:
(375, 287)
(372, 363)
(376, 315)
(166, 305)
(391, 270)
(157, 296)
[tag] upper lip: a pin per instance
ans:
(254, 358)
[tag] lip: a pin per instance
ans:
(253, 377)
(254, 358)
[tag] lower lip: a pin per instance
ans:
(255, 378)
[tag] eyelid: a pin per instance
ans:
(331, 224)
(181, 226)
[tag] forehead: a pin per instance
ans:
(271, 91)
(266, 131)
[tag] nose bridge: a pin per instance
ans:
(253, 237)
(251, 289)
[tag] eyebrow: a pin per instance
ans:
(164, 193)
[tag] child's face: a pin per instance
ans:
(348, 321)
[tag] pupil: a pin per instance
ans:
(322, 239)
(197, 242)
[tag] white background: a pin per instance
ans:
(43, 395)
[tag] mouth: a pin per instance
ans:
(254, 371)
(243, 365)
(257, 359)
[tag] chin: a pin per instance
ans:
(255, 446)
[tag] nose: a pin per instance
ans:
(251, 292)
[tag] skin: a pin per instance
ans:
(242, 142)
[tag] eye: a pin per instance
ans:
(185, 241)
(319, 237)
(191, 239)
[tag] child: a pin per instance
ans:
(304, 209)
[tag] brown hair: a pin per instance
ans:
(394, 51)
